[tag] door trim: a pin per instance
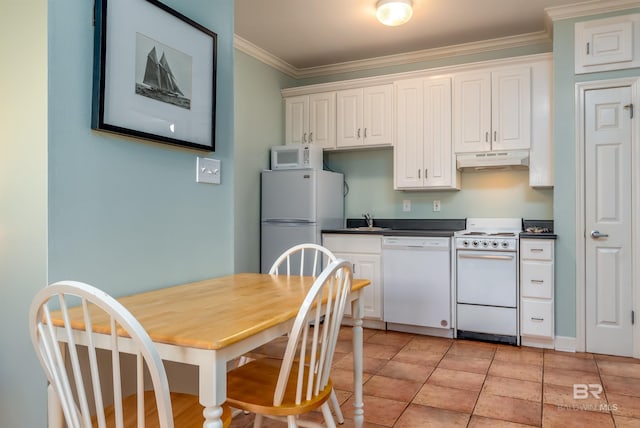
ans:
(580, 89)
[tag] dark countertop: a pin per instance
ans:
(403, 227)
(546, 227)
(545, 235)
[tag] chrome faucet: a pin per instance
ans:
(369, 219)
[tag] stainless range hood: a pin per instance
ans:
(514, 159)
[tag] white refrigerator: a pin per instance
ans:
(297, 204)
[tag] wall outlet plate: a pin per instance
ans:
(208, 171)
(406, 205)
(436, 205)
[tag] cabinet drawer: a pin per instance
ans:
(536, 279)
(349, 243)
(537, 318)
(536, 249)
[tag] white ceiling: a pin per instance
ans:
(315, 33)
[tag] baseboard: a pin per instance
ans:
(537, 342)
(566, 344)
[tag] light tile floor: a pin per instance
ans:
(422, 381)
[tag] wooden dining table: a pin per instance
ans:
(211, 322)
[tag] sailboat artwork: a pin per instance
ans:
(159, 81)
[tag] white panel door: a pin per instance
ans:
(608, 222)
(296, 120)
(366, 266)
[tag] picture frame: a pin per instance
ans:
(154, 74)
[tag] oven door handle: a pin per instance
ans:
(489, 257)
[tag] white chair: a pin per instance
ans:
(298, 383)
(74, 372)
(302, 259)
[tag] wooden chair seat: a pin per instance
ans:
(298, 382)
(251, 387)
(187, 411)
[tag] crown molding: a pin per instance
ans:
(260, 54)
(594, 7)
(391, 60)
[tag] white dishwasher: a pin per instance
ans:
(417, 280)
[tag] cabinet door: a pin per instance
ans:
(437, 153)
(322, 119)
(408, 152)
(511, 109)
(367, 266)
(377, 115)
(296, 120)
(472, 112)
(607, 44)
(349, 118)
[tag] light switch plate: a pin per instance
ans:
(208, 171)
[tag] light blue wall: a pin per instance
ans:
(259, 124)
(564, 210)
(124, 214)
(369, 174)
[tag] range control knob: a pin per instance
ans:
(494, 244)
(505, 244)
(475, 243)
(485, 244)
(465, 243)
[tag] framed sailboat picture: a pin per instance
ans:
(154, 74)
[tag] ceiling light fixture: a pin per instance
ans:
(394, 12)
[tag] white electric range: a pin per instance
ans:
(487, 280)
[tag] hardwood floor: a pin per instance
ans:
(422, 381)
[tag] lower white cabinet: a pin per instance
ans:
(365, 254)
(536, 292)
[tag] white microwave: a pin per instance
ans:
(296, 156)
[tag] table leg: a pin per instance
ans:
(213, 391)
(358, 405)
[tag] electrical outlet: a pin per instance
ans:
(208, 171)
(436, 205)
(406, 205)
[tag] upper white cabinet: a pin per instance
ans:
(364, 117)
(607, 44)
(492, 110)
(423, 155)
(311, 119)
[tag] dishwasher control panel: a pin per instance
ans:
(415, 242)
